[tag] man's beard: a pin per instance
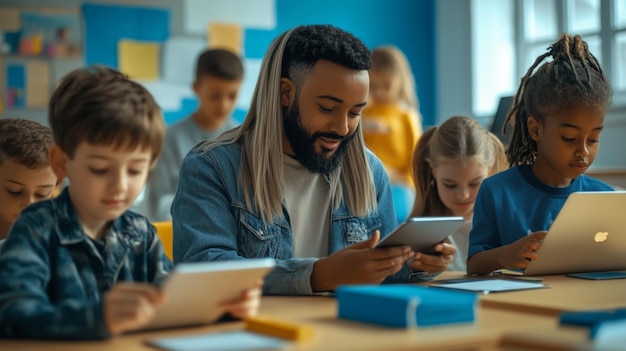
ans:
(303, 144)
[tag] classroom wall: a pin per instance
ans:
(435, 35)
(408, 24)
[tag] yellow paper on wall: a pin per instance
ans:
(10, 19)
(226, 36)
(139, 60)
(37, 84)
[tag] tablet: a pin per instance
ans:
(195, 290)
(422, 233)
(599, 275)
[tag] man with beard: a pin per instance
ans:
(295, 181)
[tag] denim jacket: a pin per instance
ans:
(53, 277)
(211, 222)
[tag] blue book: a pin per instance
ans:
(594, 320)
(404, 306)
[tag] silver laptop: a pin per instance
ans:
(588, 235)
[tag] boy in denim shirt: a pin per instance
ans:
(25, 172)
(81, 266)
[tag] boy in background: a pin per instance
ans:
(219, 74)
(25, 173)
(80, 266)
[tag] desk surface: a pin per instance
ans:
(503, 321)
(564, 294)
(332, 333)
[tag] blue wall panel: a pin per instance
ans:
(408, 24)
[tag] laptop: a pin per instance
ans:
(195, 290)
(504, 105)
(588, 235)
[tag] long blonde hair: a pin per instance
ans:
(388, 59)
(260, 136)
(457, 138)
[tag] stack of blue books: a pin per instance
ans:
(597, 321)
(404, 306)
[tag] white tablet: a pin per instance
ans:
(195, 290)
(422, 233)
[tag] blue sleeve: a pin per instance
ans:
(206, 226)
(484, 234)
(25, 307)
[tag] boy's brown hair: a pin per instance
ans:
(219, 63)
(26, 142)
(102, 106)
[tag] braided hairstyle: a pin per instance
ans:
(572, 78)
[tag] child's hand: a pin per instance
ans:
(433, 263)
(246, 305)
(519, 254)
(129, 306)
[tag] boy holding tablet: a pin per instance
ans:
(80, 266)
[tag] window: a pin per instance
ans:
(493, 54)
(601, 23)
(532, 26)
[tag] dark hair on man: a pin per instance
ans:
(102, 106)
(219, 63)
(309, 44)
(573, 78)
(25, 142)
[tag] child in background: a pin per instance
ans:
(219, 74)
(557, 116)
(25, 172)
(80, 266)
(391, 122)
(450, 162)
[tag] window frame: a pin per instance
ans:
(607, 34)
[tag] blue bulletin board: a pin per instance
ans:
(105, 25)
(15, 86)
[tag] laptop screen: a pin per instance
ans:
(498, 120)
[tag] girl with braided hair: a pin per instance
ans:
(557, 118)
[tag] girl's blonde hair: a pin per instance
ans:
(458, 138)
(260, 136)
(389, 59)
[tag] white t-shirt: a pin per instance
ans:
(307, 197)
(460, 239)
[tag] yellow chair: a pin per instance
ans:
(165, 231)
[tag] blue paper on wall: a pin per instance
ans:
(16, 85)
(105, 25)
(404, 306)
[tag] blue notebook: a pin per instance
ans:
(404, 306)
(594, 320)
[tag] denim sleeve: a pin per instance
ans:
(25, 307)
(206, 226)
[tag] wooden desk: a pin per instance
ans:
(505, 321)
(553, 339)
(332, 333)
(564, 294)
